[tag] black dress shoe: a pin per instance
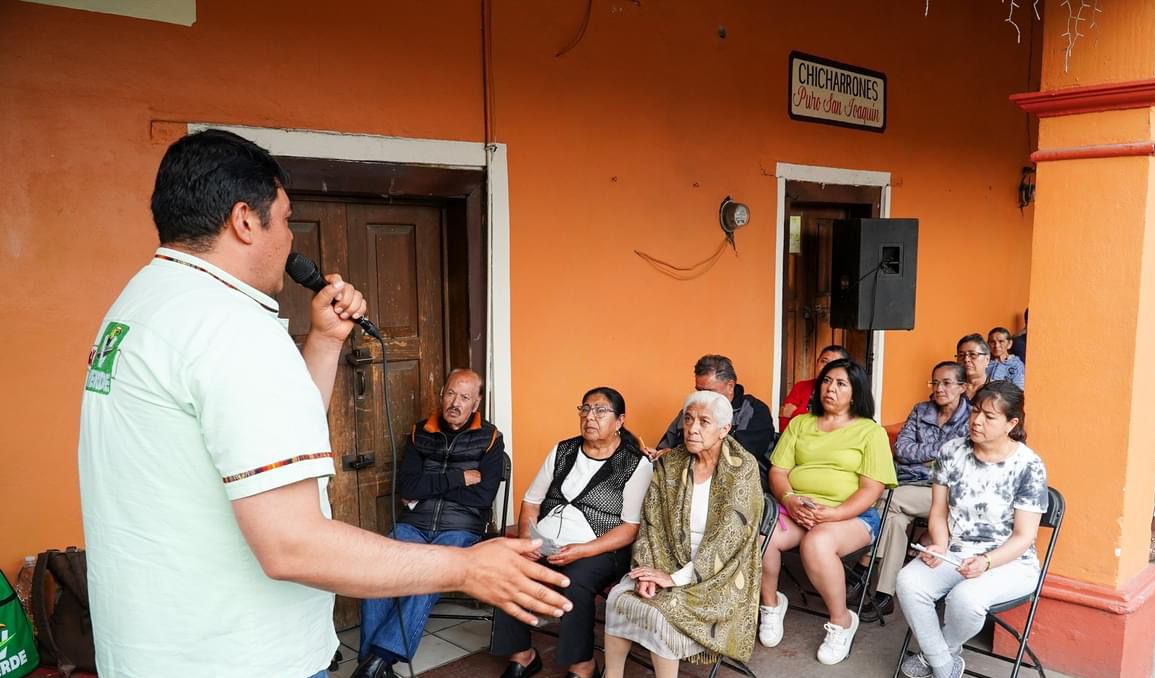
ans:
(854, 591)
(373, 667)
(598, 673)
(515, 670)
(883, 605)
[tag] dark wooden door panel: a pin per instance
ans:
(375, 488)
(395, 256)
(319, 233)
(806, 295)
(392, 254)
(395, 251)
(294, 299)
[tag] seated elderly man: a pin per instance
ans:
(693, 591)
(448, 480)
(753, 425)
(1005, 366)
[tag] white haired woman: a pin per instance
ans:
(693, 591)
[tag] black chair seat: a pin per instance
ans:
(494, 531)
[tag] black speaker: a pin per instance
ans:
(872, 274)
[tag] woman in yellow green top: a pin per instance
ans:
(827, 471)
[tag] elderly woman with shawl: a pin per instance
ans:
(693, 591)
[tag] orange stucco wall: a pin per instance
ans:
(1113, 47)
(1095, 221)
(629, 141)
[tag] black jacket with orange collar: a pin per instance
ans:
(431, 480)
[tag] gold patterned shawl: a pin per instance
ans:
(719, 607)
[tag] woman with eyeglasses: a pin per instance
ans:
(941, 418)
(974, 354)
(827, 472)
(585, 504)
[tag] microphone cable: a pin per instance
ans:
(388, 409)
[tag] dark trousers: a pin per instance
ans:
(587, 578)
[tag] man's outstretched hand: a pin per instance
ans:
(499, 573)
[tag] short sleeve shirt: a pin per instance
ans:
(196, 396)
(826, 466)
(1012, 369)
(984, 497)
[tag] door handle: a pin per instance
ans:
(356, 462)
(359, 384)
(359, 356)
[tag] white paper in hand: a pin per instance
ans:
(548, 546)
(945, 557)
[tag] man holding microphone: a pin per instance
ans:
(204, 451)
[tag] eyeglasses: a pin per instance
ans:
(598, 412)
(972, 355)
(945, 382)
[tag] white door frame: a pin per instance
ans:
(821, 175)
(433, 153)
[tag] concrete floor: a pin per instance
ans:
(444, 641)
(873, 655)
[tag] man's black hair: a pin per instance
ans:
(201, 177)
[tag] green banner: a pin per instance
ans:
(18, 655)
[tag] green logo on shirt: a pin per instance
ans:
(102, 358)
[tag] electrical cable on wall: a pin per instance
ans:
(732, 215)
(685, 272)
(581, 32)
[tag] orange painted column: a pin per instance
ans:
(1091, 367)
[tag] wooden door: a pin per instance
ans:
(806, 295)
(393, 254)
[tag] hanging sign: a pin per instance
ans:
(836, 94)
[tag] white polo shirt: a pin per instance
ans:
(196, 396)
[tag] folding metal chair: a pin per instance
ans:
(494, 530)
(769, 522)
(1053, 520)
(852, 576)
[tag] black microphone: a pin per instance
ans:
(304, 272)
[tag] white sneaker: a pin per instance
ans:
(837, 644)
(770, 625)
